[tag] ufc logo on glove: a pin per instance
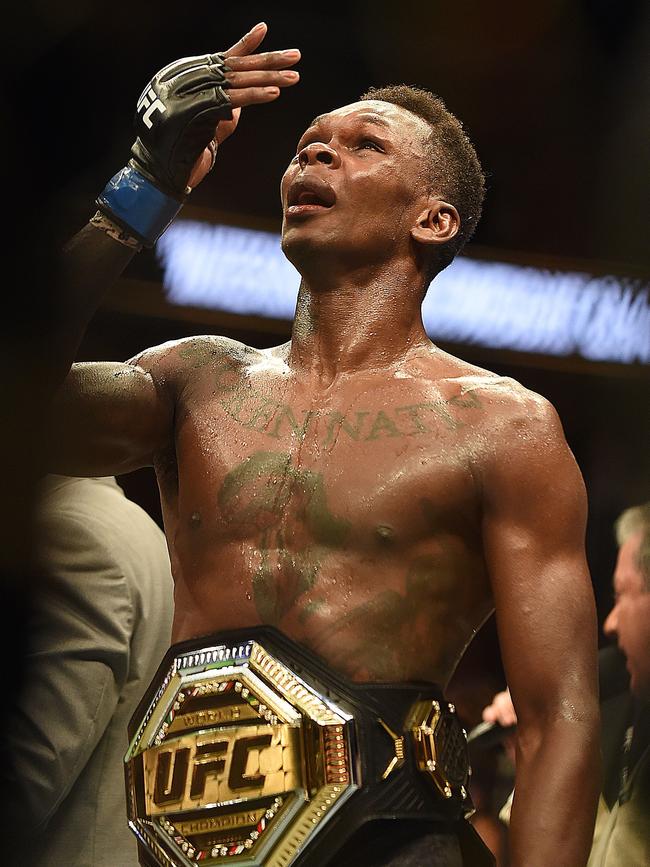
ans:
(149, 102)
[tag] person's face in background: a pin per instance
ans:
(629, 619)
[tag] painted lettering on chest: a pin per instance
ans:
(255, 411)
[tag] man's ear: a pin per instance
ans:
(438, 223)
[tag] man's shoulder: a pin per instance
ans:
(503, 399)
(92, 510)
(177, 358)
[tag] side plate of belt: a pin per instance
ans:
(247, 750)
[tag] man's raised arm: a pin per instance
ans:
(111, 418)
(188, 108)
(534, 524)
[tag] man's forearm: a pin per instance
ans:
(91, 262)
(556, 794)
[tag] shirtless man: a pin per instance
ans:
(372, 496)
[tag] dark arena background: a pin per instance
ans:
(554, 97)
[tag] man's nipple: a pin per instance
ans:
(384, 533)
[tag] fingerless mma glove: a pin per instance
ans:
(175, 120)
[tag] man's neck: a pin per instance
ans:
(354, 326)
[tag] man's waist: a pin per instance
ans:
(351, 649)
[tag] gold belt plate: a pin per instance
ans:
(236, 761)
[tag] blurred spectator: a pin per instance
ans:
(101, 624)
(622, 832)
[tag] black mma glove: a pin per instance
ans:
(175, 120)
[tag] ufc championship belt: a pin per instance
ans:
(248, 751)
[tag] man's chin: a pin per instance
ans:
(300, 240)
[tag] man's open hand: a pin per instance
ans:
(251, 79)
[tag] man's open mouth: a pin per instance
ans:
(309, 195)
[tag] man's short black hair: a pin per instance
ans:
(456, 172)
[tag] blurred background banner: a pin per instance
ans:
(491, 304)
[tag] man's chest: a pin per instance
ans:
(391, 460)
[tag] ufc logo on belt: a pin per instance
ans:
(149, 103)
(249, 761)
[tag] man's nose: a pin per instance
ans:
(611, 623)
(318, 152)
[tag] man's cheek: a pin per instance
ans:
(634, 625)
(284, 184)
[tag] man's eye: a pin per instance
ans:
(369, 143)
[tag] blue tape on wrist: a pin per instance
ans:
(137, 205)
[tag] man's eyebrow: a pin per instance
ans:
(367, 118)
(374, 118)
(317, 120)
